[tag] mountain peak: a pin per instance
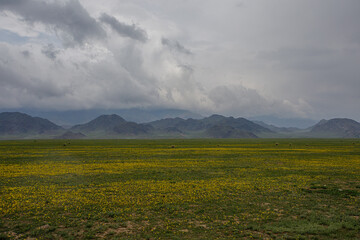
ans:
(16, 123)
(216, 117)
(342, 127)
(14, 115)
(110, 117)
(101, 122)
(112, 125)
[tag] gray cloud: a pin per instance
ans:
(242, 101)
(237, 99)
(131, 31)
(50, 51)
(306, 59)
(25, 53)
(175, 45)
(70, 19)
(29, 86)
(294, 58)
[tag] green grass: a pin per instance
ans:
(180, 189)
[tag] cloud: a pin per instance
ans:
(242, 101)
(69, 19)
(26, 53)
(28, 88)
(50, 51)
(93, 76)
(295, 58)
(175, 45)
(303, 59)
(326, 77)
(131, 31)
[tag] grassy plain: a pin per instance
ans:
(180, 189)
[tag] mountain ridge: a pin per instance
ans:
(111, 125)
(16, 125)
(344, 127)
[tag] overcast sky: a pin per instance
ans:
(298, 58)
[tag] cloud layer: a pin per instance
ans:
(241, 58)
(131, 31)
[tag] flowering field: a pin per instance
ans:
(180, 189)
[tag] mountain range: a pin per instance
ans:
(69, 118)
(16, 125)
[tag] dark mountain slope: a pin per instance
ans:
(103, 122)
(237, 123)
(167, 122)
(219, 131)
(337, 127)
(209, 122)
(15, 123)
(277, 129)
(71, 135)
(105, 125)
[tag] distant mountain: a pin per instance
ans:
(138, 115)
(300, 123)
(214, 126)
(111, 126)
(237, 123)
(20, 124)
(70, 135)
(166, 123)
(15, 125)
(103, 122)
(277, 129)
(219, 131)
(337, 127)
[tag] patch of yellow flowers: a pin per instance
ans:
(40, 198)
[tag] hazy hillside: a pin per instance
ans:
(219, 131)
(20, 124)
(337, 127)
(237, 123)
(111, 126)
(215, 126)
(71, 135)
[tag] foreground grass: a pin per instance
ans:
(180, 189)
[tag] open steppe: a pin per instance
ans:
(180, 189)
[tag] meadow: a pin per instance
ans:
(180, 189)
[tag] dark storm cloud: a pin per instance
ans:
(70, 19)
(131, 31)
(50, 51)
(175, 45)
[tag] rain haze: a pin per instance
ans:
(287, 59)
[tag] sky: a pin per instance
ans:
(289, 59)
